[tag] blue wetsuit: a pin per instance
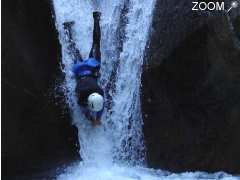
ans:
(88, 67)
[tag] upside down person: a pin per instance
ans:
(90, 95)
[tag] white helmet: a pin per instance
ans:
(95, 102)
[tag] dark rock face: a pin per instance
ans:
(173, 21)
(34, 129)
(191, 92)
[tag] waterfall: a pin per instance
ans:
(120, 137)
(114, 150)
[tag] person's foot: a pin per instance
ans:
(96, 15)
(68, 24)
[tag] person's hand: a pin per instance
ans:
(96, 122)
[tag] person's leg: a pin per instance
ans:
(73, 51)
(95, 50)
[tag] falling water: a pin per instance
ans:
(120, 137)
(114, 150)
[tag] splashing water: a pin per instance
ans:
(117, 172)
(114, 150)
(120, 137)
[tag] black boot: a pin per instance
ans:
(96, 15)
(68, 24)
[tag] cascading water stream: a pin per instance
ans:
(114, 150)
(120, 137)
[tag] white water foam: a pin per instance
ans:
(120, 137)
(114, 150)
(116, 172)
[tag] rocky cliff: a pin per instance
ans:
(34, 129)
(191, 90)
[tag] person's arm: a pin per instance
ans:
(95, 121)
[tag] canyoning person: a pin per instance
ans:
(90, 95)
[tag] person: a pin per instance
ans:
(90, 95)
